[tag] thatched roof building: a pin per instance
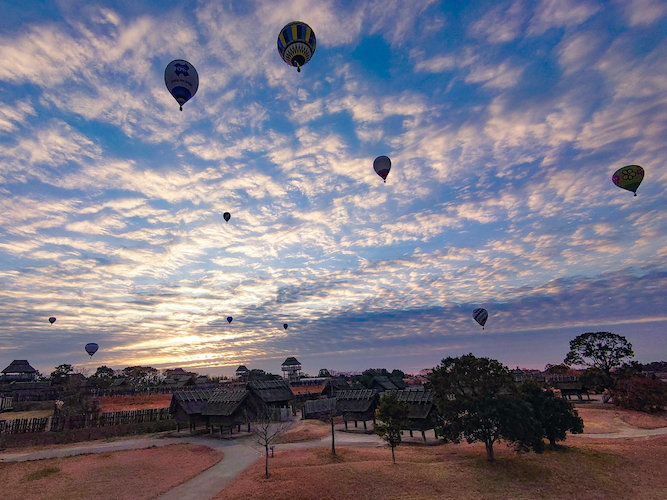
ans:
(188, 406)
(271, 392)
(227, 409)
(19, 369)
(357, 404)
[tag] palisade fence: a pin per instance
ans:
(60, 423)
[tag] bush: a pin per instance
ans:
(640, 393)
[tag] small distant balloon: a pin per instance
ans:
(285, 326)
(91, 348)
(52, 319)
(182, 80)
(296, 44)
(229, 319)
(382, 166)
(628, 177)
(481, 315)
(226, 216)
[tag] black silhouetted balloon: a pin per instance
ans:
(52, 320)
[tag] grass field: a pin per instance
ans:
(135, 474)
(584, 469)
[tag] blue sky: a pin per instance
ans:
(504, 120)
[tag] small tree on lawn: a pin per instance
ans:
(603, 350)
(329, 415)
(393, 416)
(266, 431)
(554, 415)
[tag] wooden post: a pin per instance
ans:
(345, 422)
(411, 433)
(355, 423)
(424, 435)
(365, 428)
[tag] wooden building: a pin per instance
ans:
(291, 368)
(319, 408)
(19, 370)
(357, 405)
(188, 406)
(229, 409)
(422, 410)
(383, 383)
(270, 397)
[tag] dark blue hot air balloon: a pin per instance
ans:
(52, 319)
(91, 348)
(229, 319)
(481, 315)
(182, 80)
(382, 166)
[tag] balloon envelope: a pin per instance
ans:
(226, 216)
(52, 320)
(91, 348)
(481, 315)
(628, 177)
(382, 165)
(285, 326)
(182, 80)
(296, 44)
(229, 319)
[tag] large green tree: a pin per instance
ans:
(477, 400)
(393, 416)
(555, 415)
(603, 350)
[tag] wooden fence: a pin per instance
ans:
(60, 423)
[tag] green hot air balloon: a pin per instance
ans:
(628, 177)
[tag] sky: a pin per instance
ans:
(504, 122)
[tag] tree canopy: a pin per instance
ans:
(477, 400)
(603, 350)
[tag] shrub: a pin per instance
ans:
(640, 393)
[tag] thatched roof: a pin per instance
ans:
(271, 391)
(355, 400)
(192, 401)
(225, 403)
(19, 366)
(291, 361)
(320, 407)
(241, 369)
(420, 403)
(383, 382)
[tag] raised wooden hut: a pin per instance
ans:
(19, 370)
(357, 405)
(268, 397)
(188, 406)
(422, 410)
(228, 409)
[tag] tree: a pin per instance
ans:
(266, 431)
(61, 374)
(603, 350)
(477, 401)
(393, 416)
(554, 415)
(103, 376)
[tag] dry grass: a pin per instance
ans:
(14, 415)
(305, 430)
(618, 469)
(133, 474)
(613, 419)
(134, 402)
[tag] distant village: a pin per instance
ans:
(228, 404)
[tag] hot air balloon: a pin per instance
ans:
(481, 315)
(628, 177)
(182, 80)
(92, 348)
(382, 166)
(296, 44)
(226, 216)
(229, 319)
(285, 326)
(52, 320)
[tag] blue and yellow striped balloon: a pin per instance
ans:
(296, 44)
